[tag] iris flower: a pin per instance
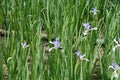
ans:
(117, 46)
(88, 28)
(24, 45)
(94, 11)
(115, 67)
(81, 56)
(56, 43)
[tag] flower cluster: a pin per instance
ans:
(87, 25)
(115, 67)
(57, 43)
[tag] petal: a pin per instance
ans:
(27, 46)
(116, 74)
(110, 67)
(51, 49)
(87, 59)
(115, 41)
(116, 46)
(113, 49)
(86, 25)
(57, 39)
(62, 51)
(51, 42)
(85, 32)
(95, 28)
(78, 53)
(81, 57)
(84, 55)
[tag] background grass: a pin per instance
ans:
(63, 19)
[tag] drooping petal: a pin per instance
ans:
(116, 47)
(82, 56)
(51, 49)
(95, 28)
(115, 41)
(86, 59)
(85, 32)
(51, 42)
(116, 74)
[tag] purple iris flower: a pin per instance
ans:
(87, 25)
(94, 11)
(88, 28)
(81, 56)
(115, 67)
(56, 43)
(24, 45)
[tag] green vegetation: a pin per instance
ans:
(23, 48)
